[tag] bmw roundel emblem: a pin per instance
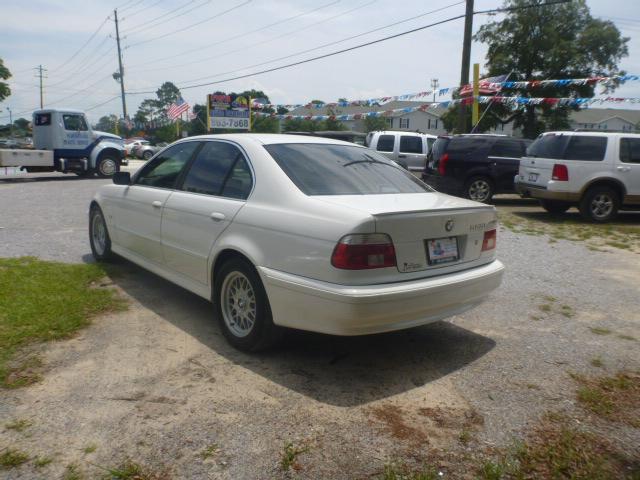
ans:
(449, 225)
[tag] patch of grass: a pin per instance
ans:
(535, 317)
(627, 337)
(491, 470)
(11, 458)
(19, 425)
(545, 307)
(134, 471)
(615, 398)
(597, 362)
(600, 331)
(550, 298)
(73, 472)
(42, 461)
(566, 311)
(211, 451)
(44, 301)
(395, 472)
(92, 447)
(290, 455)
(465, 436)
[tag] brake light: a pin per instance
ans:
(560, 173)
(442, 164)
(364, 251)
(489, 240)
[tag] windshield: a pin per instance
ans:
(325, 169)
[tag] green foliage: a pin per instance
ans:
(5, 74)
(198, 126)
(372, 124)
(168, 133)
(265, 124)
(107, 123)
(21, 123)
(558, 41)
(10, 458)
(167, 94)
(44, 301)
(301, 125)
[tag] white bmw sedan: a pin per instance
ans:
(299, 232)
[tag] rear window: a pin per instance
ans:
(385, 143)
(43, 119)
(410, 144)
(630, 150)
(323, 169)
(569, 147)
(439, 148)
(509, 148)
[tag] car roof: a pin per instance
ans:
(401, 132)
(592, 134)
(269, 138)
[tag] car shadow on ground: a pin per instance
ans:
(340, 371)
(574, 217)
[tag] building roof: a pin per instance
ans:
(364, 109)
(599, 115)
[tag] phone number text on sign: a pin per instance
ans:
(228, 122)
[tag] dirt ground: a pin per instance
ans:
(159, 386)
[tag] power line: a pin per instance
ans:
(182, 29)
(141, 10)
(83, 45)
(319, 57)
(314, 48)
(134, 4)
(141, 27)
(186, 52)
(88, 109)
(82, 65)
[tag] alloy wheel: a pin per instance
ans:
(238, 302)
(479, 190)
(98, 233)
(601, 206)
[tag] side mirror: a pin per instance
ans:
(122, 178)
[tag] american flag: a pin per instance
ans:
(177, 108)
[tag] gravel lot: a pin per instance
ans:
(158, 384)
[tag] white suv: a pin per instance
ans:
(407, 148)
(596, 171)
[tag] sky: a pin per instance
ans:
(189, 42)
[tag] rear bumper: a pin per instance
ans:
(535, 191)
(307, 304)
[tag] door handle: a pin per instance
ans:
(623, 169)
(156, 203)
(218, 216)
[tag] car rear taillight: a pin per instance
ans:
(364, 251)
(442, 164)
(489, 240)
(560, 173)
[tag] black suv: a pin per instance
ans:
(474, 166)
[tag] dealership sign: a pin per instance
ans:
(228, 111)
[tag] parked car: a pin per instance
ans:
(475, 166)
(131, 143)
(403, 147)
(147, 151)
(598, 172)
(301, 232)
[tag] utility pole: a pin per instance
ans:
(124, 103)
(40, 74)
(466, 58)
(434, 87)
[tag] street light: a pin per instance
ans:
(10, 123)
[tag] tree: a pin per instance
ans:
(371, 124)
(107, 123)
(5, 74)
(558, 41)
(167, 94)
(21, 123)
(260, 124)
(147, 110)
(198, 126)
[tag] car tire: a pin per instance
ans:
(600, 204)
(554, 206)
(242, 307)
(479, 189)
(107, 165)
(147, 155)
(99, 238)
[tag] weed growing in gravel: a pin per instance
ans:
(19, 425)
(133, 471)
(290, 454)
(600, 331)
(597, 362)
(395, 472)
(73, 472)
(545, 307)
(92, 447)
(42, 461)
(43, 301)
(11, 458)
(210, 451)
(616, 398)
(627, 337)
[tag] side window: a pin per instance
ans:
(165, 169)
(385, 143)
(219, 169)
(506, 148)
(586, 148)
(630, 150)
(75, 123)
(410, 144)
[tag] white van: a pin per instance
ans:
(404, 147)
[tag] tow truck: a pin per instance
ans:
(64, 142)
